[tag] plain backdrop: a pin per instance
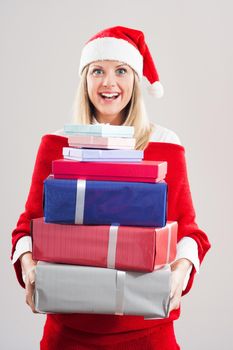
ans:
(191, 43)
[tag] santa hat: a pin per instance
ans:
(125, 45)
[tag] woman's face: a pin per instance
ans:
(110, 87)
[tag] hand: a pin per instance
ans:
(28, 265)
(179, 270)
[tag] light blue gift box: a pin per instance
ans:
(106, 130)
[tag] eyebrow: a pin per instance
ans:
(120, 65)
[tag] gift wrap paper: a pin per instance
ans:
(79, 289)
(121, 247)
(99, 130)
(105, 202)
(144, 171)
(101, 142)
(102, 155)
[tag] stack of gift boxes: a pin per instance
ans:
(104, 245)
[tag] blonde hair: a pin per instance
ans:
(135, 111)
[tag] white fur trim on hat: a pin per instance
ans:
(110, 48)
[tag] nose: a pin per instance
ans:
(109, 80)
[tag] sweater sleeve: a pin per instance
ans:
(187, 246)
(50, 148)
(180, 206)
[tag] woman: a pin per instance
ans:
(111, 66)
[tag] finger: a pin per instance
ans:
(31, 275)
(174, 304)
(175, 300)
(30, 287)
(30, 303)
(174, 285)
(173, 291)
(29, 293)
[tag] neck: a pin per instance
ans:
(117, 119)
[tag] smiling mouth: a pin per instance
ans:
(109, 96)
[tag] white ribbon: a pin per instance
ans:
(112, 243)
(120, 291)
(168, 242)
(80, 201)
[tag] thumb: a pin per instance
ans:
(30, 274)
(172, 292)
(174, 283)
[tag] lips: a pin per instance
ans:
(109, 95)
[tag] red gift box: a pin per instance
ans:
(144, 171)
(121, 247)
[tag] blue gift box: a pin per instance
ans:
(105, 202)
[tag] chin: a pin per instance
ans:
(110, 112)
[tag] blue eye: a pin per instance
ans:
(121, 71)
(97, 71)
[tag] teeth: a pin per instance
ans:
(115, 94)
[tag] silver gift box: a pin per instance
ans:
(63, 288)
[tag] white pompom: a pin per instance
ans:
(156, 89)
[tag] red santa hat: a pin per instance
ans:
(125, 45)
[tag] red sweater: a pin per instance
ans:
(180, 208)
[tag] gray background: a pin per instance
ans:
(191, 43)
